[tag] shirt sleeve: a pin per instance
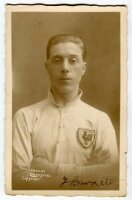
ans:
(22, 148)
(106, 139)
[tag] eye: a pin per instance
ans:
(57, 60)
(73, 60)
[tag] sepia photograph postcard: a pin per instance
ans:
(66, 100)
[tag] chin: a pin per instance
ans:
(65, 89)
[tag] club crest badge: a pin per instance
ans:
(86, 137)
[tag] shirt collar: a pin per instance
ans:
(51, 99)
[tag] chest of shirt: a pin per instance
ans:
(55, 136)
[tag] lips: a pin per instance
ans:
(65, 79)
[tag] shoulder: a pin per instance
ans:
(98, 119)
(93, 114)
(33, 109)
(92, 111)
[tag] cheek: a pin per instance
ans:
(53, 75)
(78, 73)
(52, 72)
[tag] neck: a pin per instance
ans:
(62, 98)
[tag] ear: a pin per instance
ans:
(84, 68)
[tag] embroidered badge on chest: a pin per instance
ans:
(86, 137)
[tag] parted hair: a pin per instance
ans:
(63, 38)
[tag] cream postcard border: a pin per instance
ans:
(123, 98)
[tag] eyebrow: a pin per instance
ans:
(61, 56)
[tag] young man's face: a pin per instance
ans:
(65, 66)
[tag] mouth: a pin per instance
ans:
(65, 79)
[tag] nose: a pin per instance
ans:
(65, 66)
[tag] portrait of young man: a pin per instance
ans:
(63, 135)
(66, 101)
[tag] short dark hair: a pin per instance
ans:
(62, 38)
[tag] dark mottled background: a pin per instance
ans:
(101, 33)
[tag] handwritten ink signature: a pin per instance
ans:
(109, 180)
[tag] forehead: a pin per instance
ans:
(66, 49)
